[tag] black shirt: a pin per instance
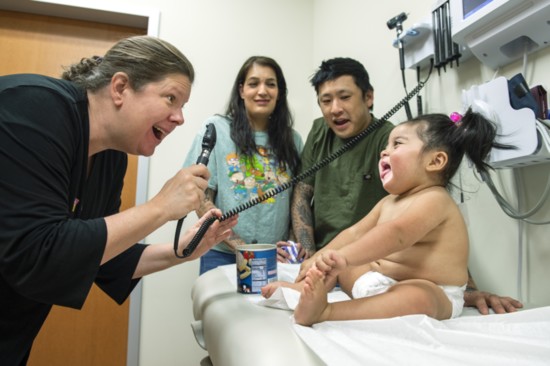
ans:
(52, 231)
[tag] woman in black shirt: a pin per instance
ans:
(63, 146)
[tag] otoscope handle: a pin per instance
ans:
(208, 142)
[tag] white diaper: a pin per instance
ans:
(455, 294)
(375, 283)
(370, 284)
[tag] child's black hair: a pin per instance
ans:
(473, 135)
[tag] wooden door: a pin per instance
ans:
(97, 334)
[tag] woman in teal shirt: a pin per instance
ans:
(256, 150)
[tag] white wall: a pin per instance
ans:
(218, 35)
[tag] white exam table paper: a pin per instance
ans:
(518, 339)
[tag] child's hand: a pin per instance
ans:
(304, 267)
(330, 262)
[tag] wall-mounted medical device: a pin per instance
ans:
(498, 32)
(517, 127)
(430, 41)
(418, 44)
(446, 50)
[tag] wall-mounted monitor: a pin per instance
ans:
(470, 7)
(498, 32)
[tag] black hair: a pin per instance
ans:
(279, 129)
(473, 136)
(340, 66)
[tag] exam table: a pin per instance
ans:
(236, 330)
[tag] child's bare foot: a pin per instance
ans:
(270, 288)
(313, 306)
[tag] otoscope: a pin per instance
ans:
(397, 22)
(208, 142)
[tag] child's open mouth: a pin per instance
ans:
(385, 169)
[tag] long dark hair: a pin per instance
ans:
(279, 129)
(473, 135)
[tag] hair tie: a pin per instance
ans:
(455, 117)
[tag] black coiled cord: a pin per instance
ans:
(272, 192)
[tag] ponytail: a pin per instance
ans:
(478, 133)
(472, 135)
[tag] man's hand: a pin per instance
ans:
(485, 300)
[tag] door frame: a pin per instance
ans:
(127, 15)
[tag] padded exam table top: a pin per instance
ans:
(236, 331)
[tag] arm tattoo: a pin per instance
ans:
(302, 216)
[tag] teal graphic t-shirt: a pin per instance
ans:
(237, 179)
